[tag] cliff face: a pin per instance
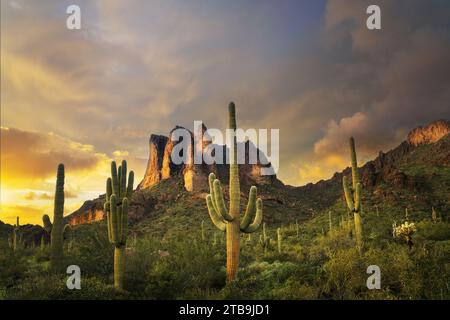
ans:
(153, 172)
(429, 134)
(89, 212)
(160, 165)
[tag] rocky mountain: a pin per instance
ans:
(160, 165)
(392, 175)
(415, 174)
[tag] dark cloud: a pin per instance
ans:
(404, 71)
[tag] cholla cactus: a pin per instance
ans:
(406, 231)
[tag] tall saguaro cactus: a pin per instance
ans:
(116, 209)
(56, 255)
(230, 220)
(353, 195)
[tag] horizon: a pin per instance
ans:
(310, 69)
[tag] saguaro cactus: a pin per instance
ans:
(330, 222)
(264, 240)
(434, 215)
(203, 230)
(57, 244)
(279, 239)
(15, 236)
(47, 223)
(116, 209)
(353, 195)
(229, 220)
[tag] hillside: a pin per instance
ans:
(414, 175)
(311, 252)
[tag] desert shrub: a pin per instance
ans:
(92, 252)
(189, 265)
(427, 230)
(53, 287)
(344, 275)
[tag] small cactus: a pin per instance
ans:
(264, 240)
(279, 239)
(15, 238)
(330, 222)
(203, 230)
(406, 231)
(434, 215)
(47, 223)
(353, 196)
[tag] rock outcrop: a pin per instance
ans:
(429, 134)
(161, 165)
(153, 172)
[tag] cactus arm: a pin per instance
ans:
(215, 218)
(114, 178)
(358, 197)
(348, 194)
(211, 179)
(258, 218)
(114, 220)
(107, 210)
(130, 184)
(245, 222)
(123, 180)
(124, 222)
(108, 189)
(220, 202)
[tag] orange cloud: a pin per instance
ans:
(29, 155)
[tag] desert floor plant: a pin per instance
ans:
(116, 209)
(353, 196)
(230, 220)
(279, 240)
(57, 240)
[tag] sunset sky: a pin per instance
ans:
(309, 68)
